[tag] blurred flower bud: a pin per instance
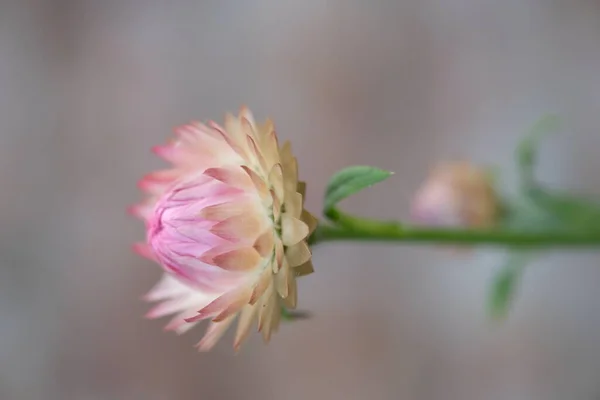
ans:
(456, 195)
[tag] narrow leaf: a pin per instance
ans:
(504, 285)
(527, 150)
(352, 180)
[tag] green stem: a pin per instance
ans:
(359, 229)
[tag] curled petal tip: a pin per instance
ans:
(196, 318)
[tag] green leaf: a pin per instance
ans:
(527, 150)
(522, 213)
(560, 210)
(505, 284)
(351, 180)
(576, 213)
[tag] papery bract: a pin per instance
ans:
(227, 224)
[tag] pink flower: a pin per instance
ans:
(456, 194)
(227, 224)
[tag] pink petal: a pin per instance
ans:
(144, 250)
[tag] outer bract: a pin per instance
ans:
(227, 224)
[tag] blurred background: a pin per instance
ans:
(87, 87)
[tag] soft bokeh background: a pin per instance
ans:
(88, 86)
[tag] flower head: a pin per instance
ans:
(456, 194)
(227, 224)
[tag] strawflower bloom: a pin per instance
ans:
(456, 195)
(227, 224)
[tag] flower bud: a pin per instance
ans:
(456, 195)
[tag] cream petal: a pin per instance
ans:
(304, 269)
(264, 280)
(290, 174)
(310, 221)
(240, 227)
(204, 152)
(279, 256)
(246, 320)
(286, 151)
(259, 183)
(302, 189)
(291, 300)
(276, 181)
(272, 313)
(244, 259)
(246, 114)
(207, 130)
(213, 333)
(293, 205)
(233, 176)
(293, 230)
(256, 154)
(233, 127)
(266, 310)
(224, 305)
(222, 211)
(276, 319)
(270, 147)
(298, 254)
(266, 129)
(179, 325)
(241, 151)
(281, 280)
(265, 244)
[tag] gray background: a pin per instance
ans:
(87, 87)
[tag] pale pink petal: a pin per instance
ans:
(145, 251)
(225, 305)
(213, 334)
